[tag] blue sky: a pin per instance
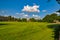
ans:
(14, 7)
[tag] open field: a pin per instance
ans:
(25, 31)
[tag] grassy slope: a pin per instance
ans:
(25, 31)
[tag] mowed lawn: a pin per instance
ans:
(25, 31)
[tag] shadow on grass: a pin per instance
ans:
(1, 24)
(56, 30)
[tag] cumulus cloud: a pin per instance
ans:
(23, 15)
(33, 8)
(36, 16)
(58, 13)
(26, 15)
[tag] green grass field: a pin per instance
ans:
(25, 31)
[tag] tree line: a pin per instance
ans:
(48, 18)
(10, 18)
(51, 18)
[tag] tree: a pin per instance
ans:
(50, 18)
(58, 1)
(32, 20)
(58, 18)
(9, 18)
(45, 19)
(20, 20)
(58, 11)
(24, 20)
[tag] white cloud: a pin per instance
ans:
(23, 15)
(57, 13)
(33, 8)
(36, 16)
(26, 15)
(17, 13)
(44, 10)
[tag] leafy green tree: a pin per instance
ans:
(58, 18)
(32, 20)
(39, 20)
(24, 20)
(58, 1)
(45, 19)
(58, 11)
(9, 18)
(50, 18)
